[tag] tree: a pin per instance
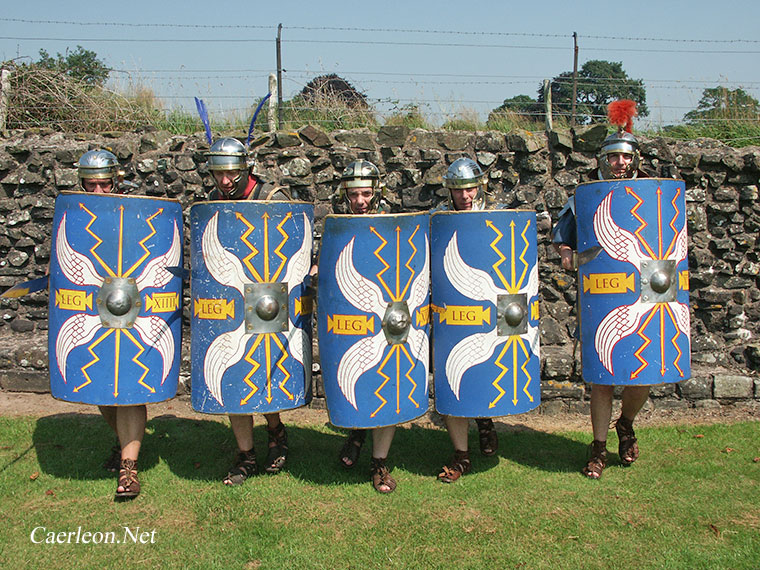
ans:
(81, 64)
(599, 83)
(726, 104)
(333, 88)
(522, 105)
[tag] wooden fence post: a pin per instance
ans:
(272, 108)
(548, 103)
(5, 91)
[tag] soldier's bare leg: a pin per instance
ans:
(459, 464)
(130, 427)
(601, 410)
(381, 441)
(457, 428)
(245, 464)
(113, 461)
(277, 453)
(634, 398)
(242, 428)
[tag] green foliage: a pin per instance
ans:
(409, 116)
(521, 105)
(327, 112)
(599, 83)
(734, 133)
(80, 64)
(724, 104)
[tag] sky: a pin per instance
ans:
(446, 57)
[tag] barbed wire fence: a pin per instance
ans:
(127, 85)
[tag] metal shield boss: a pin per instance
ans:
(251, 314)
(633, 281)
(373, 321)
(115, 299)
(485, 312)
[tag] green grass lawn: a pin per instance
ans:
(691, 501)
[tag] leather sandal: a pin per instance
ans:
(349, 453)
(278, 449)
(128, 482)
(597, 460)
(113, 463)
(245, 466)
(628, 448)
(489, 439)
(458, 465)
(380, 476)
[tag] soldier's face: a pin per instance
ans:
(359, 200)
(226, 179)
(98, 185)
(619, 163)
(463, 197)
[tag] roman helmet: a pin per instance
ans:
(99, 165)
(361, 174)
(230, 154)
(620, 113)
(466, 173)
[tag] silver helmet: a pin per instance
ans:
(230, 154)
(619, 142)
(98, 165)
(361, 174)
(466, 173)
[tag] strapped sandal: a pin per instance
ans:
(278, 449)
(597, 461)
(113, 463)
(349, 453)
(489, 439)
(458, 466)
(245, 466)
(381, 477)
(628, 448)
(128, 482)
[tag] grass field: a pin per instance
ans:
(691, 501)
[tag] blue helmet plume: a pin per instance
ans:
(253, 121)
(203, 112)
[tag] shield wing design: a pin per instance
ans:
(251, 317)
(485, 312)
(115, 308)
(374, 318)
(633, 295)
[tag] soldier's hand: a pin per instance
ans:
(566, 256)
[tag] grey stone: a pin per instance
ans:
(696, 387)
(356, 139)
(589, 139)
(490, 142)
(562, 389)
(298, 167)
(65, 177)
(456, 140)
(525, 141)
(733, 386)
(25, 381)
(707, 405)
(22, 325)
(315, 136)
(393, 135)
(561, 139)
(485, 158)
(285, 139)
(553, 408)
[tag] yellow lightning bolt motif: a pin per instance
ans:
(647, 342)
(117, 347)
(398, 377)
(136, 360)
(662, 340)
(409, 267)
(254, 367)
(254, 251)
(659, 221)
(97, 239)
(277, 252)
(642, 222)
(268, 352)
(281, 367)
(385, 265)
(672, 225)
(265, 217)
(411, 380)
(524, 369)
(501, 259)
(673, 340)
(141, 243)
(95, 359)
(522, 258)
(504, 370)
(387, 378)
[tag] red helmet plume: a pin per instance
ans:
(621, 114)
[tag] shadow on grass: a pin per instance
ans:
(75, 446)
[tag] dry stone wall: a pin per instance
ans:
(526, 170)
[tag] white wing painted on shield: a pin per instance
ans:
(619, 244)
(155, 273)
(223, 266)
(299, 345)
(75, 331)
(681, 312)
(531, 290)
(618, 324)
(468, 352)
(418, 292)
(360, 357)
(362, 293)
(469, 281)
(300, 263)
(226, 350)
(76, 267)
(679, 252)
(156, 332)
(419, 346)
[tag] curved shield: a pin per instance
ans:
(633, 286)
(251, 314)
(374, 318)
(485, 305)
(115, 299)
